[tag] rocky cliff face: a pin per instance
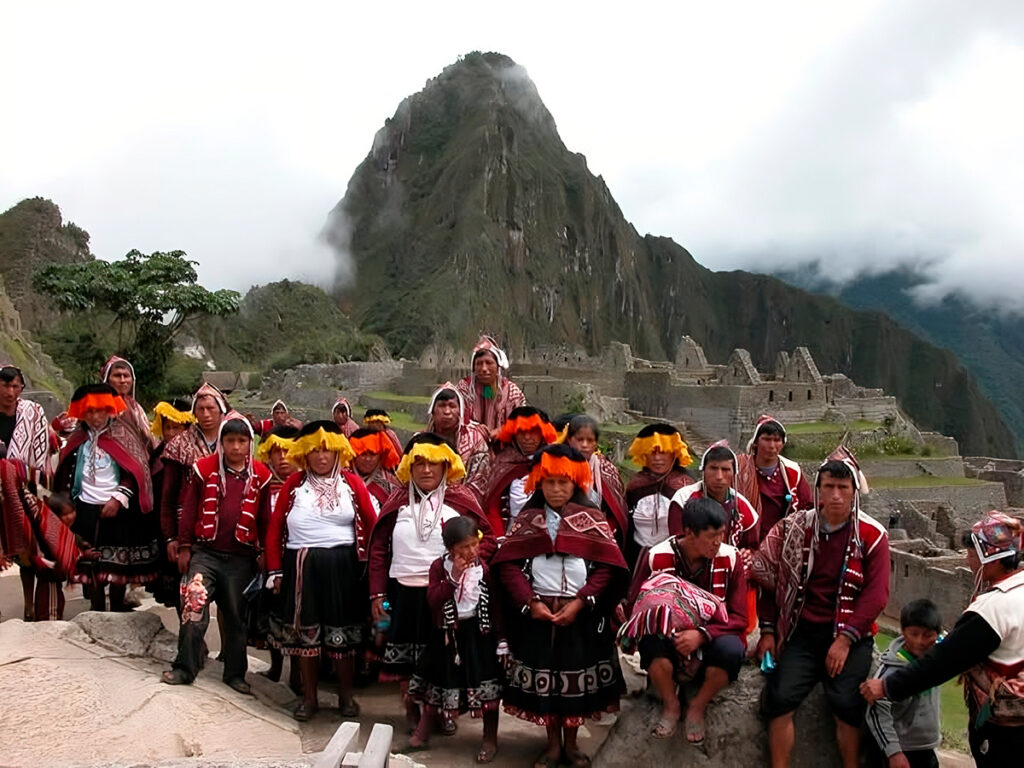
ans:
(32, 235)
(470, 214)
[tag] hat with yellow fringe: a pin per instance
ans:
(320, 436)
(376, 416)
(282, 437)
(435, 449)
(178, 410)
(659, 437)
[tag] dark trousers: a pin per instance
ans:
(996, 746)
(922, 758)
(725, 652)
(801, 666)
(225, 576)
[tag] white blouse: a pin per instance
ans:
(467, 589)
(558, 575)
(517, 497)
(413, 554)
(1002, 608)
(100, 474)
(310, 526)
(650, 520)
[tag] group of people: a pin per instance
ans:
(497, 559)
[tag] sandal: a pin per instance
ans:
(665, 728)
(304, 713)
(694, 728)
(486, 754)
(175, 677)
(544, 760)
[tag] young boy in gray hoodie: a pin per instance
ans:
(907, 731)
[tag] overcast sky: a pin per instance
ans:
(760, 135)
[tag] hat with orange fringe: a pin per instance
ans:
(282, 437)
(319, 436)
(435, 449)
(178, 411)
(523, 419)
(99, 397)
(559, 460)
(367, 441)
(659, 437)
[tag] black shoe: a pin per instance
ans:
(239, 684)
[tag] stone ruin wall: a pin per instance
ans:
(944, 579)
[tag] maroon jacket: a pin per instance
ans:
(441, 593)
(723, 576)
(229, 510)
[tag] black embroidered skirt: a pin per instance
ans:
(323, 605)
(464, 676)
(411, 625)
(128, 544)
(563, 675)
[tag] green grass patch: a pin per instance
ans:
(621, 430)
(830, 427)
(402, 420)
(923, 481)
(414, 399)
(954, 710)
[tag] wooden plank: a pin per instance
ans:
(338, 746)
(378, 747)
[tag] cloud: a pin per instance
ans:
(756, 135)
(901, 146)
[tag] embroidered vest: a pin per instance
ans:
(207, 468)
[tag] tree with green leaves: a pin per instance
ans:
(140, 302)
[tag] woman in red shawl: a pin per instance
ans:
(582, 433)
(104, 468)
(447, 417)
(562, 574)
(342, 415)
(375, 461)
(119, 373)
(661, 454)
(527, 430)
(405, 542)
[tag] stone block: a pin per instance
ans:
(128, 633)
(736, 733)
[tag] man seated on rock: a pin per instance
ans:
(824, 574)
(774, 484)
(700, 556)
